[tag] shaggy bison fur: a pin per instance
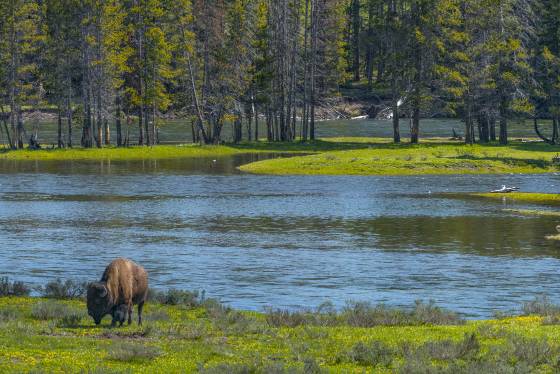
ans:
(123, 284)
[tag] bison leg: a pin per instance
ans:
(140, 307)
(130, 313)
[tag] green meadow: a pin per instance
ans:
(56, 336)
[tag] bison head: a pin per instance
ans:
(98, 301)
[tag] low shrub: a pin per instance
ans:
(156, 315)
(231, 321)
(130, 352)
(104, 370)
(8, 288)
(364, 314)
(446, 350)
(176, 297)
(62, 313)
(371, 353)
(49, 310)
(532, 351)
(71, 319)
(286, 318)
(8, 314)
(431, 314)
(310, 366)
(68, 289)
(227, 368)
(541, 306)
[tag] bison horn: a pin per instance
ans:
(102, 290)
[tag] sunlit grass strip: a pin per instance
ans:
(530, 212)
(431, 157)
(525, 197)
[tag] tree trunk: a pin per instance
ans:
(256, 124)
(69, 113)
(503, 122)
(356, 38)
(107, 132)
(415, 129)
(118, 124)
(396, 120)
(492, 125)
(59, 128)
(141, 125)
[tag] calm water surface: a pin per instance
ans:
(282, 241)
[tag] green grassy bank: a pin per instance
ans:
(45, 335)
(376, 157)
(339, 156)
(163, 152)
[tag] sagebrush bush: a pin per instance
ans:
(286, 318)
(227, 368)
(8, 314)
(446, 350)
(8, 288)
(364, 314)
(71, 319)
(129, 352)
(176, 297)
(46, 310)
(62, 313)
(156, 315)
(68, 289)
(541, 306)
(532, 351)
(371, 353)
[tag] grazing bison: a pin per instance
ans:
(119, 314)
(123, 284)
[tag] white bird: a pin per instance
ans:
(505, 189)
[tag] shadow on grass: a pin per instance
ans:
(537, 163)
(338, 144)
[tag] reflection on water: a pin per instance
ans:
(200, 165)
(288, 241)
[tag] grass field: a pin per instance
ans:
(45, 335)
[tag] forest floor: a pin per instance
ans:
(339, 156)
(45, 335)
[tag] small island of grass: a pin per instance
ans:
(523, 197)
(435, 156)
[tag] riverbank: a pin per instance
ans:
(168, 152)
(49, 335)
(337, 156)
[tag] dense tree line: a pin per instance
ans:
(128, 62)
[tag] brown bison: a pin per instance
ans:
(123, 284)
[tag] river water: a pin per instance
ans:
(281, 241)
